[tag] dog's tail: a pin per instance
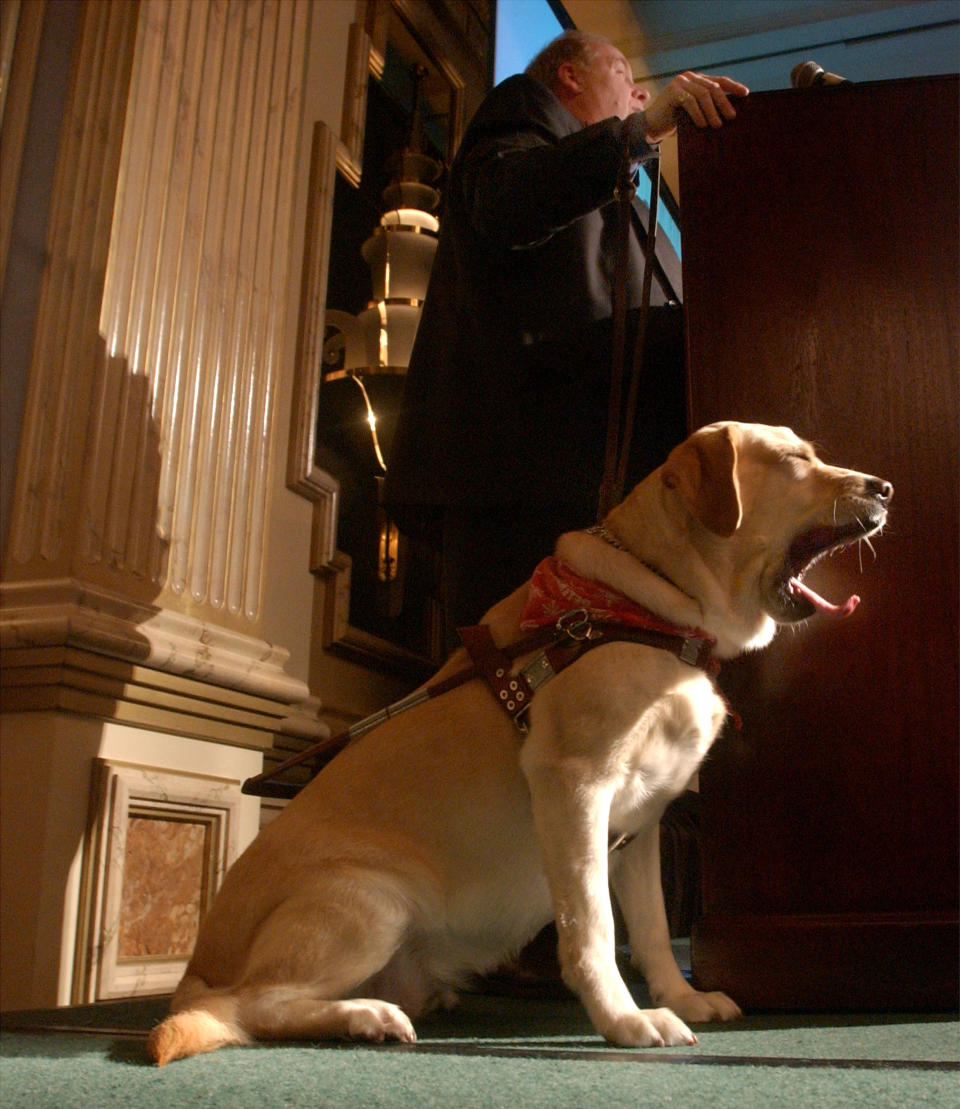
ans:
(203, 1019)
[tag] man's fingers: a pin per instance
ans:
(689, 102)
(731, 87)
(705, 99)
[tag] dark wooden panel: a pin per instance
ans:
(860, 963)
(821, 291)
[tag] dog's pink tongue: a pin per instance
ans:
(821, 604)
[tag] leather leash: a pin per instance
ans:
(261, 785)
(636, 368)
(620, 419)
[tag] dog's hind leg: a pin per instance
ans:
(278, 1014)
(228, 1018)
(312, 954)
(306, 958)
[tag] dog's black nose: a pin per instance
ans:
(882, 490)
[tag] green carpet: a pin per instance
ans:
(491, 1052)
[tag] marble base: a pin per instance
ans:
(127, 731)
(114, 838)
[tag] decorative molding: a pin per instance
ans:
(338, 633)
(20, 27)
(74, 680)
(448, 53)
(457, 62)
(304, 476)
(360, 64)
(335, 574)
(365, 56)
(66, 612)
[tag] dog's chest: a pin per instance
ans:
(665, 749)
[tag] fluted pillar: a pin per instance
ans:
(139, 516)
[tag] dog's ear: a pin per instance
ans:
(703, 472)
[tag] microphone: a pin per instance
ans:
(807, 74)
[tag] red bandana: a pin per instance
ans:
(555, 589)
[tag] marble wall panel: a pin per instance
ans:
(164, 870)
(158, 845)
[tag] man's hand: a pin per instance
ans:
(706, 100)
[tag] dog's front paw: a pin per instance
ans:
(700, 1008)
(648, 1028)
(378, 1021)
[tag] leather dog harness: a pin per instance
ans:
(600, 616)
(559, 637)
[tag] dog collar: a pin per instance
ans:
(601, 531)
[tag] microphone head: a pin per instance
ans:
(806, 74)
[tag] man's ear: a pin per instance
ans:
(568, 77)
(703, 473)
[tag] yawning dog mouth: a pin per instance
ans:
(794, 599)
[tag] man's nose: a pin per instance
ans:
(640, 95)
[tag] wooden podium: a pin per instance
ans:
(820, 271)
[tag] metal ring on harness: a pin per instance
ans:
(576, 624)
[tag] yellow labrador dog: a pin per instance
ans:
(433, 848)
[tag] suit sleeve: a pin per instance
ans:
(523, 179)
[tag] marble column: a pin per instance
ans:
(134, 563)
(141, 499)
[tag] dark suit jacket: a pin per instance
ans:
(507, 391)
